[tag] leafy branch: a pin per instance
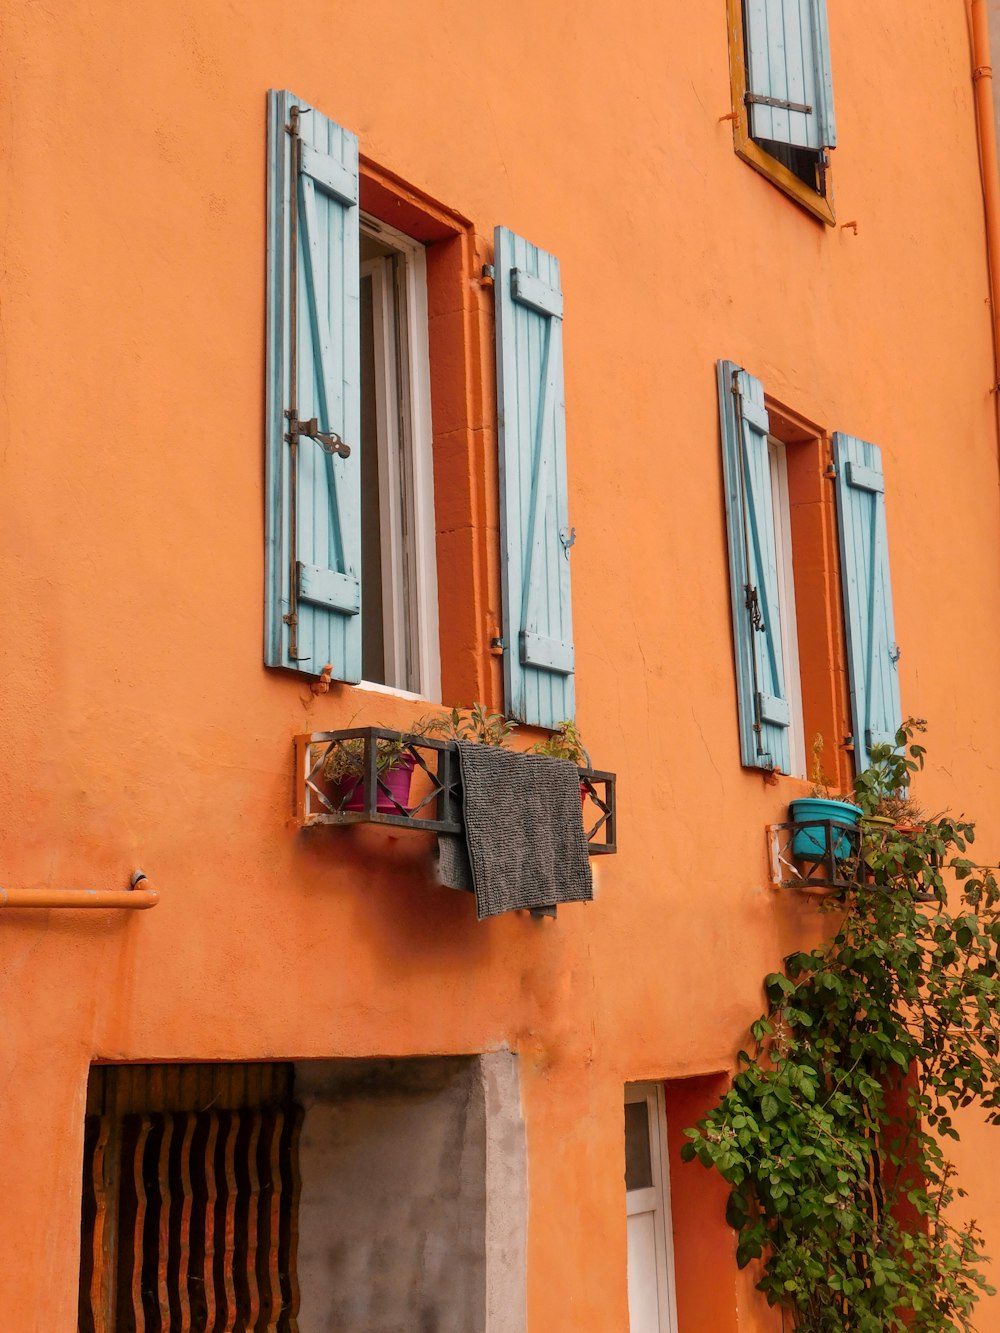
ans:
(831, 1135)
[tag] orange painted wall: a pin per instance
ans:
(137, 723)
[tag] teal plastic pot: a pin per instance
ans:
(811, 843)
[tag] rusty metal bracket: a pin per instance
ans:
(756, 99)
(329, 441)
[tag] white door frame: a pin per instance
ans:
(656, 1199)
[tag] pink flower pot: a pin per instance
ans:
(395, 779)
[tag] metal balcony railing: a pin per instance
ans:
(434, 802)
(826, 857)
(819, 856)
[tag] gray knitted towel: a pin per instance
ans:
(524, 842)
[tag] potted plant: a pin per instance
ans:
(815, 810)
(892, 821)
(883, 789)
(566, 743)
(344, 769)
(481, 727)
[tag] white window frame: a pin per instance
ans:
(406, 467)
(777, 453)
(656, 1199)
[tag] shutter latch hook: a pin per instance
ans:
(567, 536)
(329, 441)
(753, 606)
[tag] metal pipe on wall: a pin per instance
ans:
(133, 898)
(982, 80)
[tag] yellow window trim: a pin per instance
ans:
(818, 205)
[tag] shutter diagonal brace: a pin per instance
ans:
(540, 475)
(752, 596)
(292, 618)
(876, 626)
(539, 650)
(757, 99)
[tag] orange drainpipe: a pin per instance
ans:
(982, 79)
(133, 897)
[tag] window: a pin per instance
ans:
(350, 543)
(370, 317)
(398, 572)
(190, 1198)
(777, 454)
(810, 583)
(651, 1299)
(783, 118)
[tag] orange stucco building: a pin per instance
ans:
(144, 507)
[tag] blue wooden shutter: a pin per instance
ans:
(535, 537)
(313, 515)
(867, 590)
(753, 564)
(789, 83)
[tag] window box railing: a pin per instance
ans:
(844, 857)
(816, 855)
(434, 803)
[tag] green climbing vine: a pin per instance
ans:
(832, 1135)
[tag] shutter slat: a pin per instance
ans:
(134, 1252)
(324, 599)
(269, 1263)
(230, 1129)
(166, 1125)
(535, 537)
(207, 1272)
(187, 1200)
(762, 695)
(253, 1210)
(867, 594)
(824, 75)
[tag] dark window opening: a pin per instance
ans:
(806, 163)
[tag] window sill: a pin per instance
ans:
(393, 693)
(778, 174)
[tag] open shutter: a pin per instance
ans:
(534, 526)
(313, 393)
(764, 710)
(872, 653)
(789, 84)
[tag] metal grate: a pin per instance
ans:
(190, 1211)
(832, 869)
(843, 860)
(435, 800)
